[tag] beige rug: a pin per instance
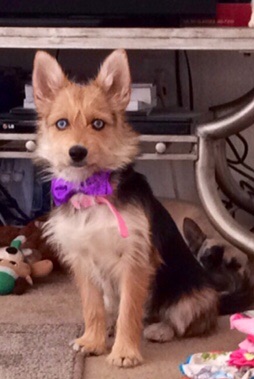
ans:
(36, 328)
(39, 352)
(161, 361)
(50, 313)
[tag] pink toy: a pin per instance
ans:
(244, 356)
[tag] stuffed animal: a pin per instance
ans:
(18, 266)
(34, 240)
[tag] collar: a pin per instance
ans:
(96, 185)
(90, 192)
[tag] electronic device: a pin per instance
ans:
(162, 123)
(100, 13)
(21, 120)
(17, 122)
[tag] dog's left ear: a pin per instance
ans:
(115, 79)
(193, 234)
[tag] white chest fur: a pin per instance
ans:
(90, 238)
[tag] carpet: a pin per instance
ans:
(49, 315)
(161, 361)
(39, 352)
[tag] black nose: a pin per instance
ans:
(77, 153)
(11, 250)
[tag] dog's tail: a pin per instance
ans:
(237, 301)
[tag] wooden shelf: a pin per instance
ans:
(128, 38)
(191, 154)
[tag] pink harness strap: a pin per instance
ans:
(84, 201)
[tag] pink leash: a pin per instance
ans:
(84, 201)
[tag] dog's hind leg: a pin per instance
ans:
(159, 332)
(195, 314)
(192, 315)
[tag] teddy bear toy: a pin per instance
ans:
(34, 240)
(18, 266)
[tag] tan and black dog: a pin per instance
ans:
(129, 260)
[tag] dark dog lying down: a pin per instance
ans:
(228, 268)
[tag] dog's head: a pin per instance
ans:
(82, 128)
(224, 263)
(212, 253)
(208, 251)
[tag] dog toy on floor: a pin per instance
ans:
(18, 266)
(244, 356)
(237, 364)
(214, 365)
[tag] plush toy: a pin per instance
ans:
(34, 240)
(8, 233)
(18, 266)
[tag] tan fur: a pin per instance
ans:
(114, 146)
(93, 340)
(104, 98)
(134, 289)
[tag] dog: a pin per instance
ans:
(132, 267)
(229, 269)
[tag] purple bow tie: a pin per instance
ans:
(96, 185)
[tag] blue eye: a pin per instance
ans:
(62, 123)
(98, 124)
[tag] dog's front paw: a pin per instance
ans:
(88, 347)
(124, 357)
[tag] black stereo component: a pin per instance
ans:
(100, 13)
(162, 123)
(21, 120)
(18, 122)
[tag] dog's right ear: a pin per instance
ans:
(48, 78)
(193, 234)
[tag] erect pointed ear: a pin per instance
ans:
(115, 79)
(193, 234)
(48, 78)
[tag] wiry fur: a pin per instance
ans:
(118, 277)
